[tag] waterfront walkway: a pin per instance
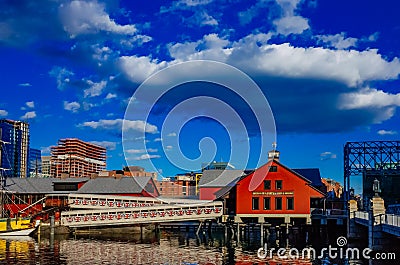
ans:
(389, 223)
(102, 210)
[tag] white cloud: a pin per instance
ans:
(28, 115)
(106, 144)
(136, 125)
(146, 156)
(30, 104)
(253, 55)
(89, 17)
(169, 147)
(87, 105)
(184, 4)
(111, 95)
(139, 151)
(137, 40)
(368, 98)
(339, 41)
(46, 150)
(25, 84)
(3, 112)
(205, 19)
(173, 134)
(62, 76)
(72, 106)
(95, 89)
(157, 140)
(373, 37)
(291, 25)
(327, 156)
(139, 68)
(387, 132)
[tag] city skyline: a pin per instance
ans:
(329, 70)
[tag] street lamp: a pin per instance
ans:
(376, 187)
(351, 191)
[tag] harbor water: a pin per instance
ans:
(179, 246)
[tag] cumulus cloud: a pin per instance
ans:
(126, 125)
(350, 67)
(387, 132)
(338, 41)
(62, 76)
(3, 113)
(139, 151)
(111, 95)
(146, 156)
(206, 19)
(95, 89)
(327, 156)
(139, 68)
(25, 84)
(46, 150)
(90, 17)
(173, 134)
(368, 98)
(72, 106)
(291, 25)
(29, 115)
(30, 104)
(106, 144)
(289, 22)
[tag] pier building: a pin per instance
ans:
(274, 193)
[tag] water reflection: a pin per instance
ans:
(173, 247)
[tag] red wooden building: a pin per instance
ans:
(34, 196)
(272, 193)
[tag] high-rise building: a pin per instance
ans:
(35, 163)
(76, 158)
(14, 139)
(46, 166)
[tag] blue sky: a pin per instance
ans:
(329, 69)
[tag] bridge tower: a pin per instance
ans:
(373, 160)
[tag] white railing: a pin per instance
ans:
(361, 215)
(391, 219)
(153, 214)
(93, 201)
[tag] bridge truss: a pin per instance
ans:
(377, 157)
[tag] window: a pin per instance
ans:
(255, 203)
(278, 184)
(267, 184)
(290, 203)
(278, 203)
(273, 169)
(267, 203)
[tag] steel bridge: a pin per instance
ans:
(104, 210)
(375, 157)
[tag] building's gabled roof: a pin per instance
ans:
(37, 185)
(219, 178)
(124, 185)
(312, 174)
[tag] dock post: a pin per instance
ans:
(52, 224)
(198, 229)
(262, 234)
(38, 233)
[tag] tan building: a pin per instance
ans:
(46, 166)
(75, 158)
(136, 171)
(169, 188)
